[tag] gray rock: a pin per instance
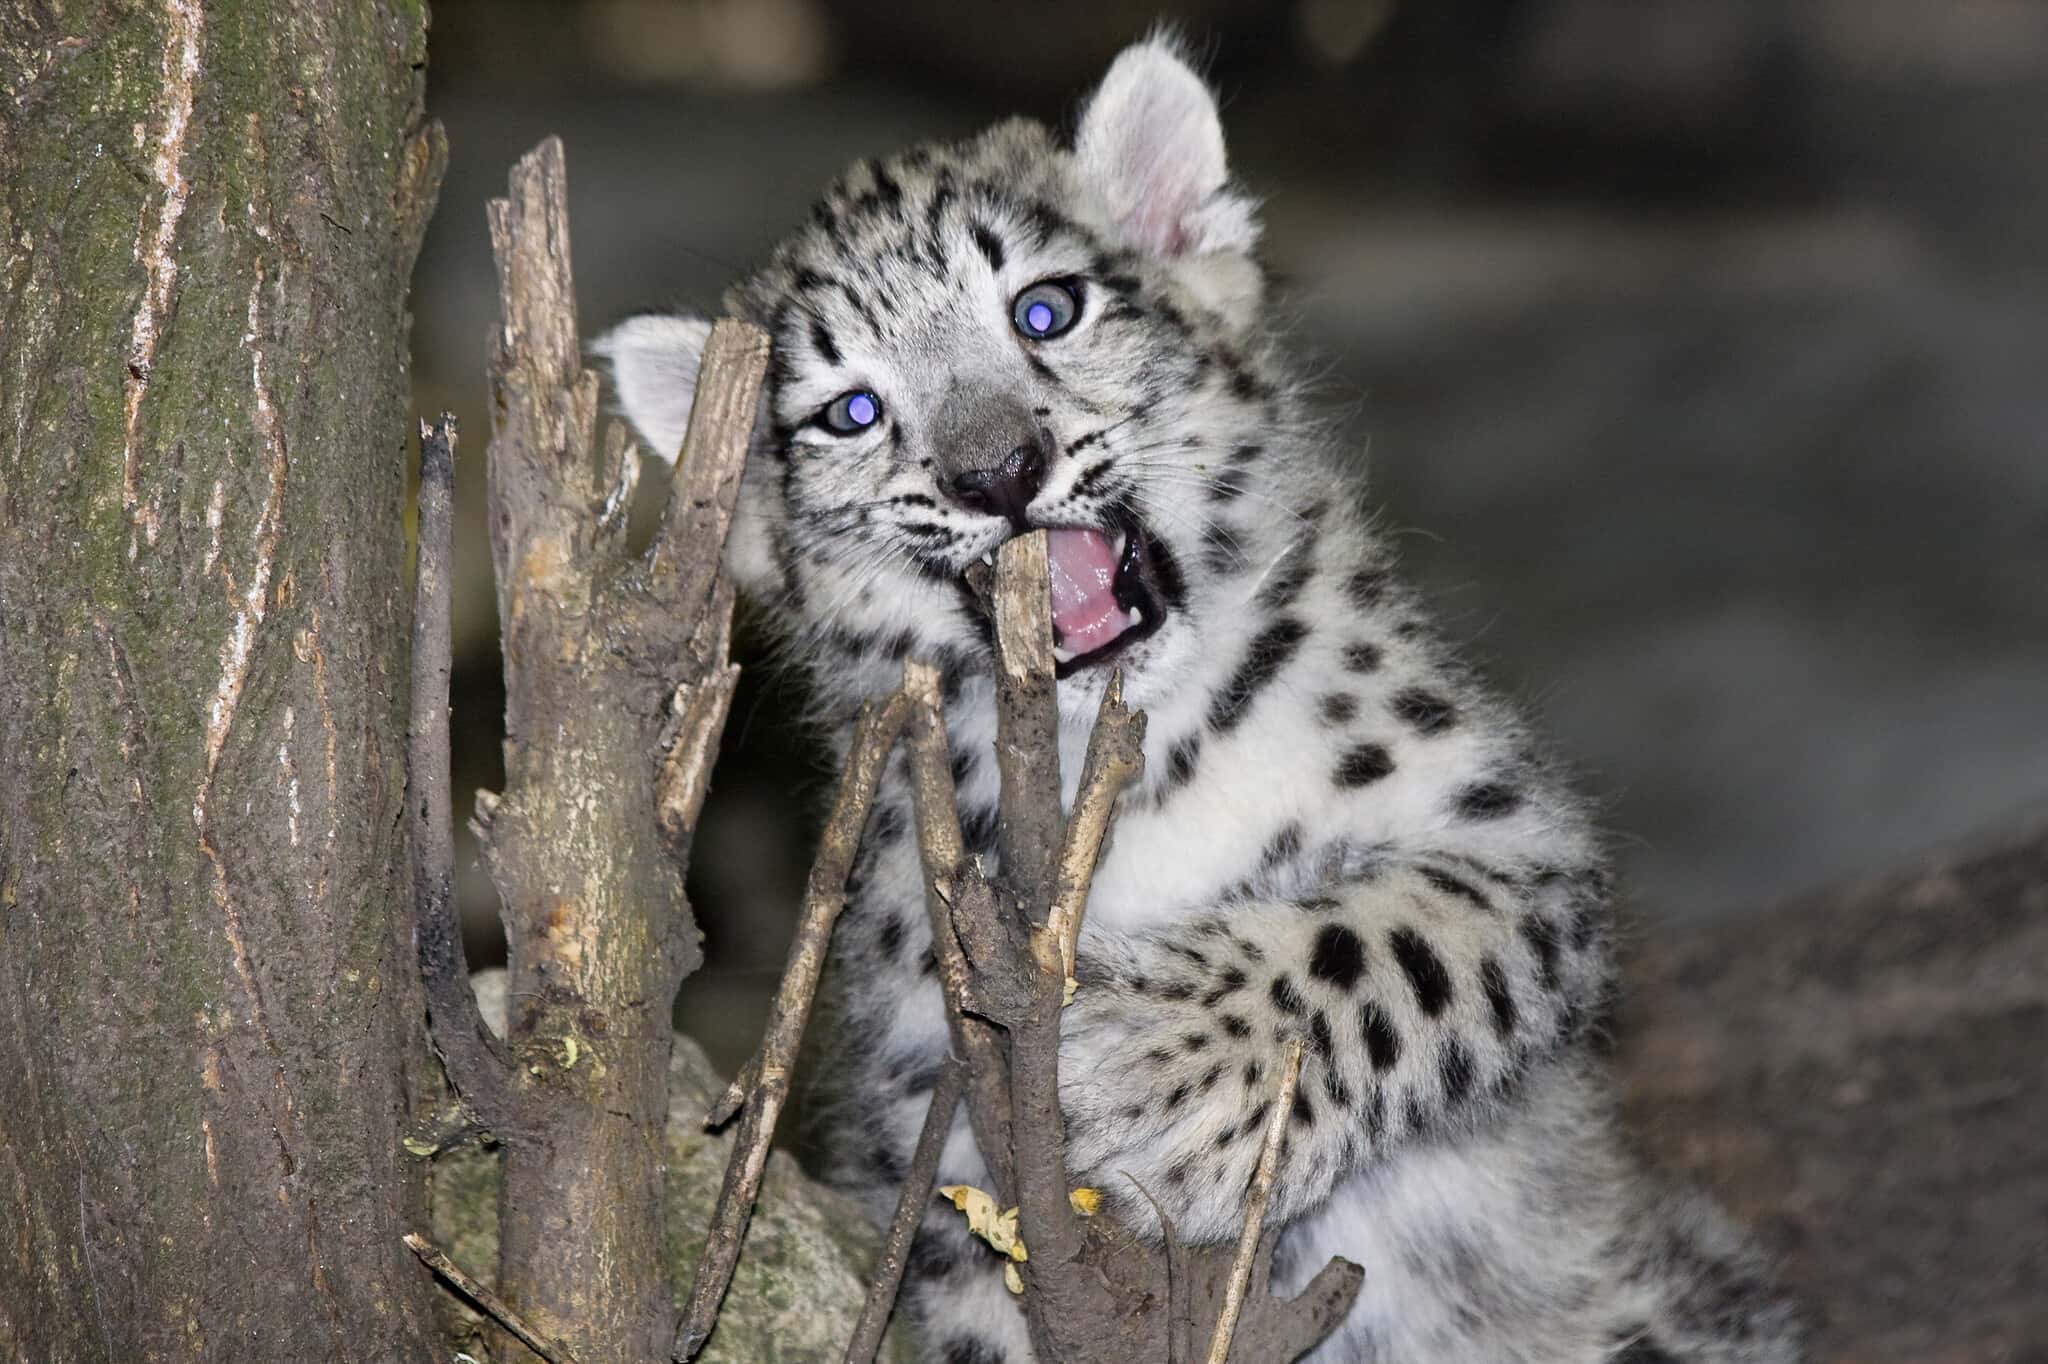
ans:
(802, 1276)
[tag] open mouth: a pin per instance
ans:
(1103, 595)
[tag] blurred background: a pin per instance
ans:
(1698, 350)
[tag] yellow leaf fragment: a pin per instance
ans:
(998, 1228)
(1086, 1202)
(1072, 986)
(418, 1147)
(1012, 1280)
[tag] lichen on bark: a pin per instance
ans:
(208, 1007)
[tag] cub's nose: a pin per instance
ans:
(1007, 489)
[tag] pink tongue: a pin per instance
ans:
(1083, 602)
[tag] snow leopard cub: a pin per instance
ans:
(1339, 836)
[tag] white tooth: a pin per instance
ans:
(1134, 615)
(1122, 539)
(1063, 655)
(989, 559)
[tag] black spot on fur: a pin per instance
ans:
(1180, 762)
(1269, 652)
(1366, 587)
(1253, 1073)
(1362, 765)
(1304, 1112)
(1498, 997)
(1541, 935)
(1173, 584)
(932, 1255)
(1230, 983)
(1424, 969)
(971, 1350)
(978, 827)
(1454, 1068)
(1452, 885)
(1338, 708)
(1177, 1098)
(1286, 998)
(890, 938)
(1235, 1025)
(1338, 956)
(1382, 1043)
(1488, 800)
(1363, 658)
(822, 342)
(1423, 710)
(928, 964)
(1335, 1090)
(986, 241)
(1227, 485)
(887, 1166)
(1282, 846)
(1194, 1042)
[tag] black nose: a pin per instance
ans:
(1005, 490)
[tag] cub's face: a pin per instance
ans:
(975, 340)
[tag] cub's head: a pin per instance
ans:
(1010, 332)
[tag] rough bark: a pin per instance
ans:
(1859, 1075)
(209, 1010)
(617, 683)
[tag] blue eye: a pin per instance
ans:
(851, 412)
(1046, 309)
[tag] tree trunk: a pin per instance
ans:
(210, 1021)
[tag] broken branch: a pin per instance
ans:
(910, 1210)
(471, 1053)
(763, 1085)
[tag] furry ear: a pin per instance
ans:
(1151, 145)
(653, 361)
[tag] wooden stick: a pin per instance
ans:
(472, 1055)
(910, 1209)
(1027, 721)
(706, 483)
(487, 1302)
(1255, 1209)
(948, 873)
(1116, 756)
(763, 1085)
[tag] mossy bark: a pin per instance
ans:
(209, 1009)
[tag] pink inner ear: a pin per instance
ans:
(1150, 139)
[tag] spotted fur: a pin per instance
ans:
(1339, 835)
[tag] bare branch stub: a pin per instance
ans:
(617, 684)
(475, 1061)
(763, 1086)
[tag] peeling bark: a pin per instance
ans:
(209, 1014)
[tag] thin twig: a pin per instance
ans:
(910, 1209)
(947, 873)
(763, 1086)
(473, 1056)
(706, 483)
(487, 1302)
(1255, 1207)
(1116, 756)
